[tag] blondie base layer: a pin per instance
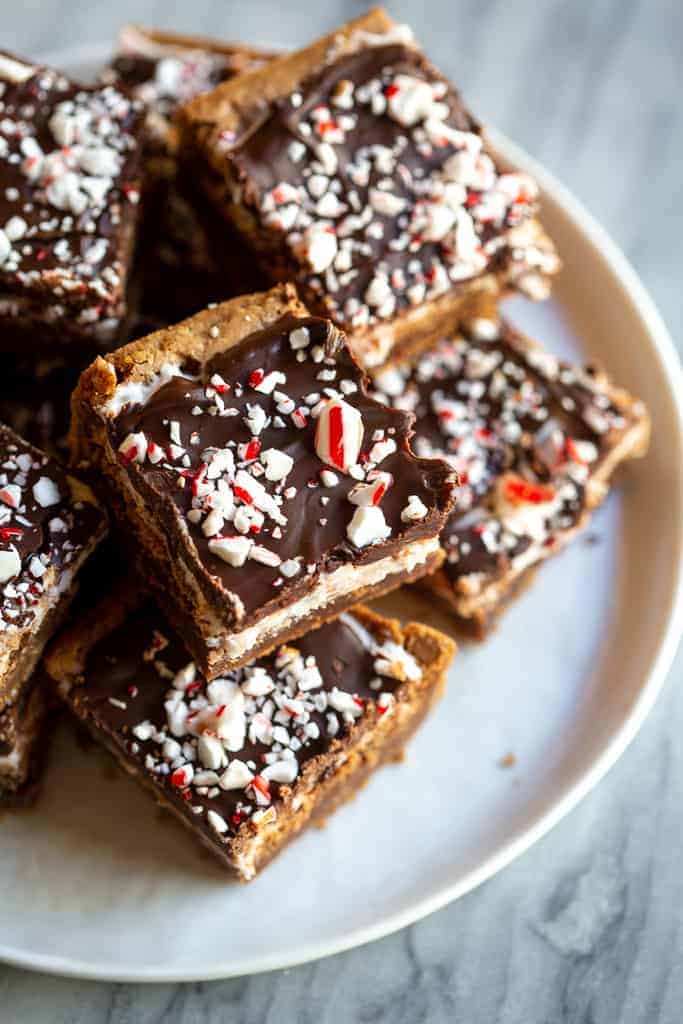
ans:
(249, 760)
(70, 178)
(353, 168)
(49, 525)
(534, 443)
(264, 489)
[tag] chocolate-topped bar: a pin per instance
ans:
(70, 177)
(264, 487)
(182, 265)
(49, 525)
(249, 760)
(534, 442)
(353, 168)
(166, 69)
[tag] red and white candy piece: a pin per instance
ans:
(525, 506)
(183, 776)
(371, 493)
(410, 100)
(133, 448)
(339, 434)
(11, 495)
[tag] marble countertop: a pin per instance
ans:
(588, 925)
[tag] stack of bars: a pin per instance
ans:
(278, 278)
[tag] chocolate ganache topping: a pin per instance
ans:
(272, 465)
(222, 750)
(376, 178)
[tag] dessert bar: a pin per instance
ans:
(182, 263)
(266, 491)
(49, 525)
(534, 443)
(70, 178)
(24, 742)
(353, 168)
(249, 760)
(165, 69)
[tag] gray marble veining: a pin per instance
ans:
(588, 925)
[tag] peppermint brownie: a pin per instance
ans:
(165, 69)
(250, 759)
(49, 524)
(353, 168)
(263, 486)
(70, 176)
(183, 264)
(534, 443)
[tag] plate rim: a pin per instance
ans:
(663, 349)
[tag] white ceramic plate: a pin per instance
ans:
(93, 882)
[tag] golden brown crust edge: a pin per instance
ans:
(226, 103)
(179, 41)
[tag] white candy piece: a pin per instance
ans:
(144, 731)
(414, 510)
(233, 550)
(46, 492)
(211, 752)
(235, 776)
(367, 526)
(10, 564)
(299, 338)
(320, 247)
(278, 464)
(386, 203)
(339, 434)
(281, 771)
(213, 524)
(217, 823)
(5, 246)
